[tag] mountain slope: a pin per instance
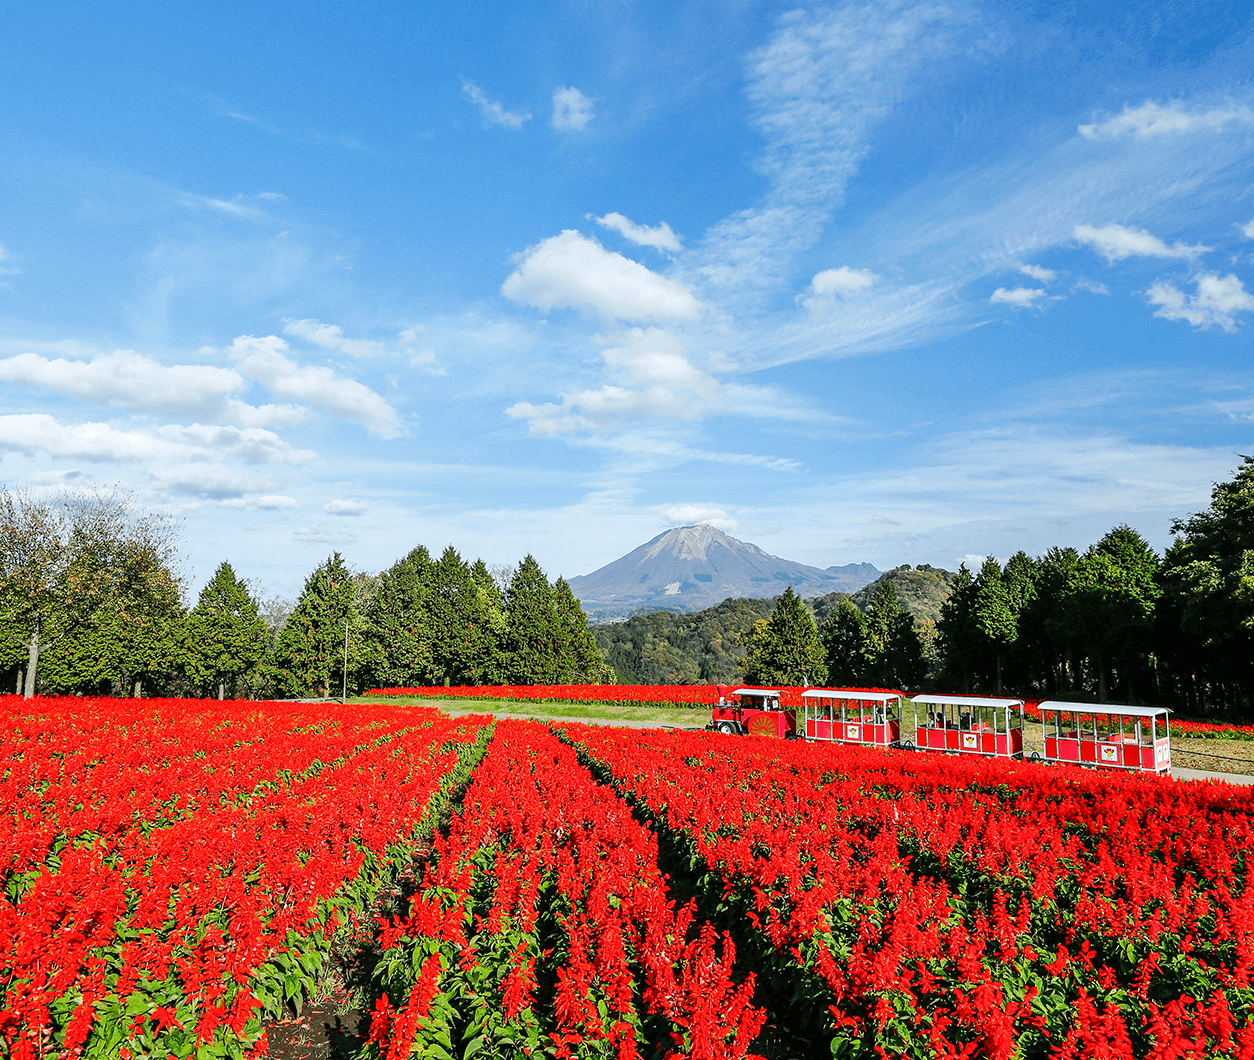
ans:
(694, 567)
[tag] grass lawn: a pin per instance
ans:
(685, 714)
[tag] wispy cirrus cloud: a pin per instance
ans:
(492, 111)
(660, 237)
(1149, 120)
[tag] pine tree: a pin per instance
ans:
(225, 635)
(958, 633)
(786, 649)
(532, 630)
(310, 651)
(398, 640)
(580, 659)
(892, 644)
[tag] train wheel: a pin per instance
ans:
(908, 745)
(1035, 756)
(727, 727)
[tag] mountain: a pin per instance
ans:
(694, 567)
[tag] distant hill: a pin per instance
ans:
(665, 648)
(921, 590)
(691, 568)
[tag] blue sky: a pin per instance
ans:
(885, 282)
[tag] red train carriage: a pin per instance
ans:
(754, 710)
(847, 715)
(969, 725)
(1108, 736)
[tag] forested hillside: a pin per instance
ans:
(708, 646)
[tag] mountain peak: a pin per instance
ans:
(688, 568)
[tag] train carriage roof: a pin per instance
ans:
(1102, 708)
(758, 692)
(969, 701)
(850, 693)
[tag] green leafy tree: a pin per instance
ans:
(1045, 634)
(226, 637)
(1109, 599)
(893, 648)
(310, 652)
(77, 561)
(466, 621)
(785, 649)
(845, 644)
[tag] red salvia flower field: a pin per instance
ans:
(175, 872)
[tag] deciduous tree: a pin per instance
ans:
(79, 560)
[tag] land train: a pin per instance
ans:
(1103, 736)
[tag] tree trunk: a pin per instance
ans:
(139, 688)
(21, 680)
(999, 673)
(1101, 678)
(32, 662)
(222, 690)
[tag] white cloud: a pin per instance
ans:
(1019, 297)
(1115, 242)
(660, 238)
(250, 445)
(269, 503)
(330, 337)
(1092, 286)
(38, 432)
(491, 111)
(572, 110)
(974, 562)
(651, 379)
(1039, 274)
(1248, 230)
(425, 359)
(1149, 119)
(131, 381)
(7, 269)
(212, 481)
(842, 282)
(195, 445)
(342, 507)
(1216, 300)
(692, 514)
(265, 360)
(573, 271)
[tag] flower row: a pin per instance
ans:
(173, 867)
(929, 906)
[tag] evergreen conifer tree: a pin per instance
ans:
(580, 659)
(785, 649)
(225, 636)
(844, 639)
(310, 650)
(398, 641)
(532, 630)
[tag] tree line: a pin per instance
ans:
(1114, 622)
(91, 602)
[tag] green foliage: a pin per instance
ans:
(785, 648)
(88, 565)
(664, 648)
(880, 649)
(1206, 627)
(309, 655)
(225, 637)
(398, 642)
